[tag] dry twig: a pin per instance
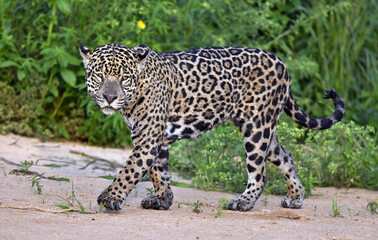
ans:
(113, 165)
(10, 162)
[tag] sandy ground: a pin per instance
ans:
(265, 221)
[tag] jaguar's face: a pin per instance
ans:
(112, 73)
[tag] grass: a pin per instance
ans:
(180, 203)
(221, 205)
(72, 201)
(310, 36)
(35, 181)
(150, 192)
(372, 206)
(343, 156)
(182, 184)
(109, 177)
(335, 207)
(265, 200)
(27, 165)
(197, 207)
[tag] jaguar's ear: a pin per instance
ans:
(86, 53)
(141, 52)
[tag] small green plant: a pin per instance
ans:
(221, 205)
(265, 200)
(26, 165)
(109, 177)
(335, 207)
(72, 201)
(150, 192)
(372, 206)
(180, 203)
(100, 207)
(35, 182)
(197, 207)
(43, 199)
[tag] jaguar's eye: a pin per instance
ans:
(125, 77)
(100, 75)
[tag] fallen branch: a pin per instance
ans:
(15, 142)
(45, 146)
(41, 209)
(10, 162)
(113, 165)
(55, 160)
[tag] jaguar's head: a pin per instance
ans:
(112, 73)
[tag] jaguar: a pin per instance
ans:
(167, 96)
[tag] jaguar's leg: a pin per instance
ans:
(114, 196)
(159, 176)
(281, 157)
(256, 144)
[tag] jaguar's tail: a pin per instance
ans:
(299, 116)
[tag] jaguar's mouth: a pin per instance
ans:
(108, 110)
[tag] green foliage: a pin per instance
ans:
(222, 203)
(105, 130)
(35, 181)
(150, 192)
(197, 207)
(26, 165)
(335, 207)
(343, 156)
(372, 206)
(15, 115)
(325, 44)
(213, 159)
(343, 43)
(71, 202)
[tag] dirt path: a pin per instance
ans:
(266, 220)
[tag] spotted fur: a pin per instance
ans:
(165, 97)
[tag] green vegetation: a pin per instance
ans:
(221, 205)
(72, 201)
(344, 155)
(150, 192)
(197, 207)
(335, 207)
(35, 182)
(324, 44)
(26, 165)
(372, 206)
(265, 200)
(179, 203)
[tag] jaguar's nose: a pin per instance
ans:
(110, 97)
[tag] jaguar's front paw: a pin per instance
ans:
(238, 205)
(157, 203)
(110, 202)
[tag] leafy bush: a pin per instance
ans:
(213, 159)
(216, 161)
(324, 44)
(15, 114)
(343, 156)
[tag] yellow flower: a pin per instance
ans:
(141, 24)
(128, 42)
